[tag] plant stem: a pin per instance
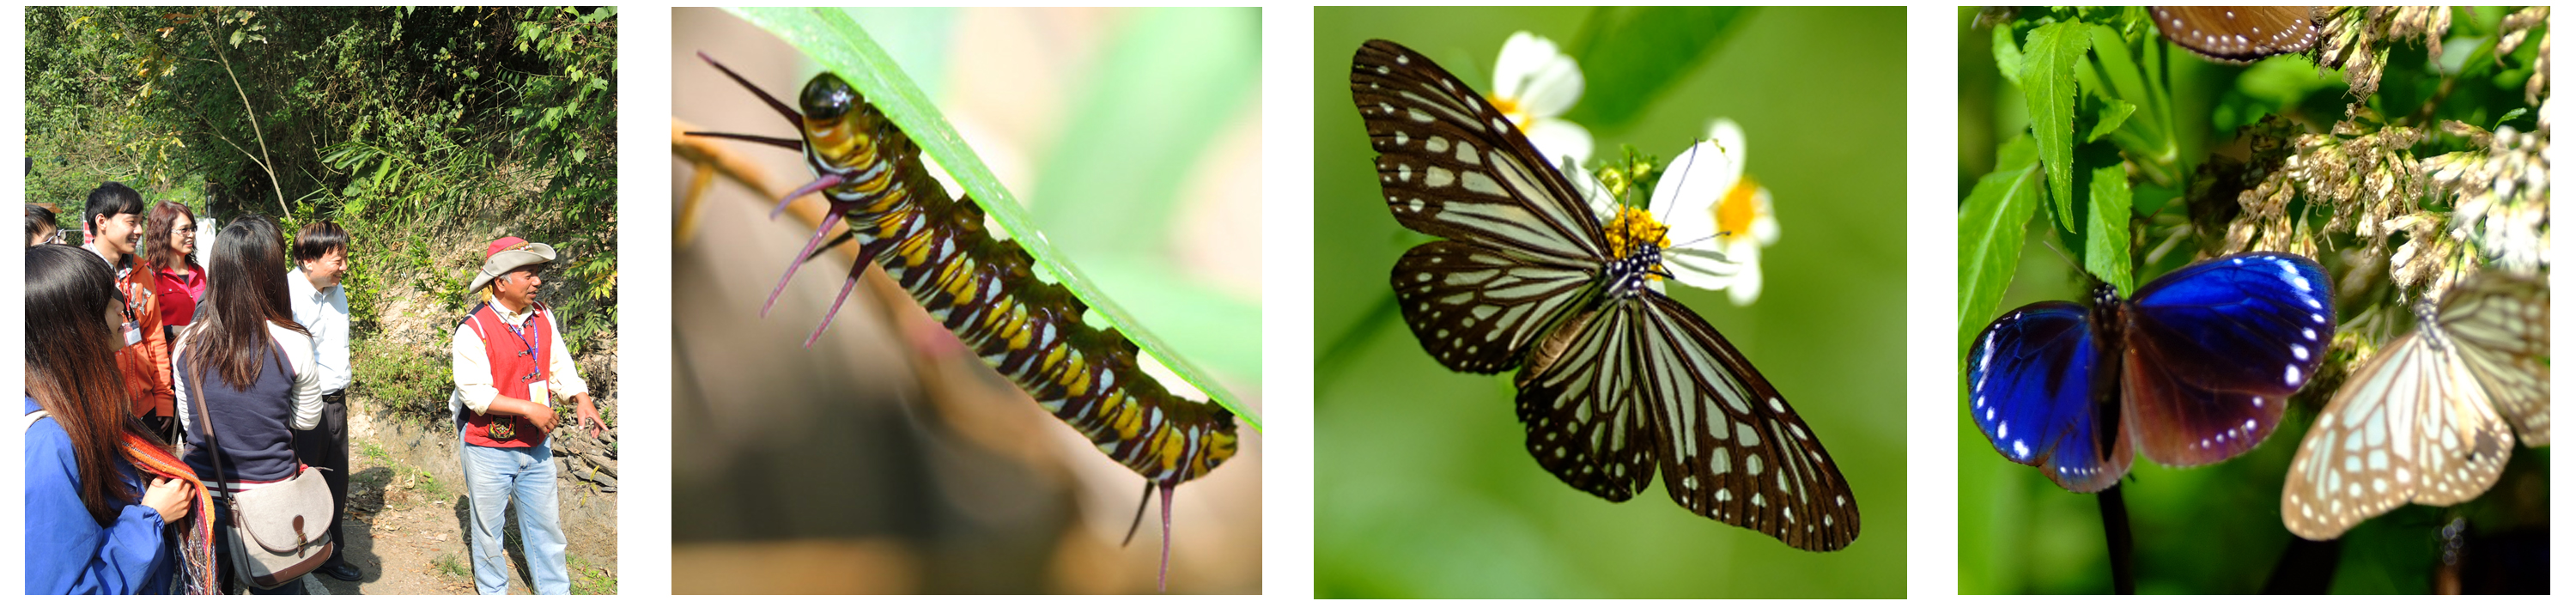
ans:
(2115, 532)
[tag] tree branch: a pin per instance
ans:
(274, 186)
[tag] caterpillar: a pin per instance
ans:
(986, 291)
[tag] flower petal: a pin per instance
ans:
(1557, 139)
(1748, 285)
(1689, 191)
(1524, 55)
(1729, 137)
(1555, 87)
(1766, 229)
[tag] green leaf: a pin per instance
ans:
(1992, 223)
(2113, 114)
(836, 41)
(2106, 237)
(2008, 58)
(2048, 88)
(1629, 56)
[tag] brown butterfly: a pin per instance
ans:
(2237, 35)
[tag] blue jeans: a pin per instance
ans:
(494, 478)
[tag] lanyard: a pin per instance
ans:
(530, 345)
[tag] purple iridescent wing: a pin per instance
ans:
(2214, 349)
(2030, 389)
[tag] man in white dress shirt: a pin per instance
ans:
(313, 288)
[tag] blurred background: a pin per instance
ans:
(887, 459)
(2217, 528)
(1423, 487)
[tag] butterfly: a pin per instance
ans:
(1617, 381)
(2192, 369)
(2237, 34)
(2426, 419)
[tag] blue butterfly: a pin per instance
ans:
(2198, 365)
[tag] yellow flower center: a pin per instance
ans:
(1631, 228)
(1511, 109)
(1735, 213)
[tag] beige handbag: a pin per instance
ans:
(279, 531)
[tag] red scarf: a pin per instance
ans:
(197, 544)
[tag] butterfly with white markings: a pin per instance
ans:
(1617, 380)
(2427, 419)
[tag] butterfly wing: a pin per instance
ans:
(2410, 425)
(2030, 389)
(2237, 34)
(2213, 349)
(2500, 324)
(1476, 308)
(1522, 248)
(1454, 167)
(1645, 379)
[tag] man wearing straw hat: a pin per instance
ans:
(509, 365)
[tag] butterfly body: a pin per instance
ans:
(2426, 420)
(2192, 369)
(1617, 382)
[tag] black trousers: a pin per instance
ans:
(326, 446)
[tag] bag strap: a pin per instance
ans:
(197, 399)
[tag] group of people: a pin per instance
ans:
(161, 390)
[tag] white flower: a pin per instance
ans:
(1533, 84)
(1720, 218)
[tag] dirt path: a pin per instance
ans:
(406, 530)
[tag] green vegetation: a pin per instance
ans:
(590, 579)
(420, 130)
(447, 563)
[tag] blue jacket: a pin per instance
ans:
(67, 552)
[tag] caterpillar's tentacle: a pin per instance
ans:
(986, 291)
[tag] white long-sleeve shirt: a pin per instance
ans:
(325, 313)
(299, 357)
(473, 365)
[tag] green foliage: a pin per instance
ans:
(1992, 223)
(419, 130)
(449, 564)
(414, 383)
(590, 578)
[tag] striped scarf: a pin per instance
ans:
(197, 544)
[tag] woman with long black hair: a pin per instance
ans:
(252, 366)
(104, 495)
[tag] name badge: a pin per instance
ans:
(133, 334)
(537, 393)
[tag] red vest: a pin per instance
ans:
(517, 361)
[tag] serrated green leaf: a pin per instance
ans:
(2008, 59)
(2048, 88)
(2106, 237)
(1992, 224)
(2114, 113)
